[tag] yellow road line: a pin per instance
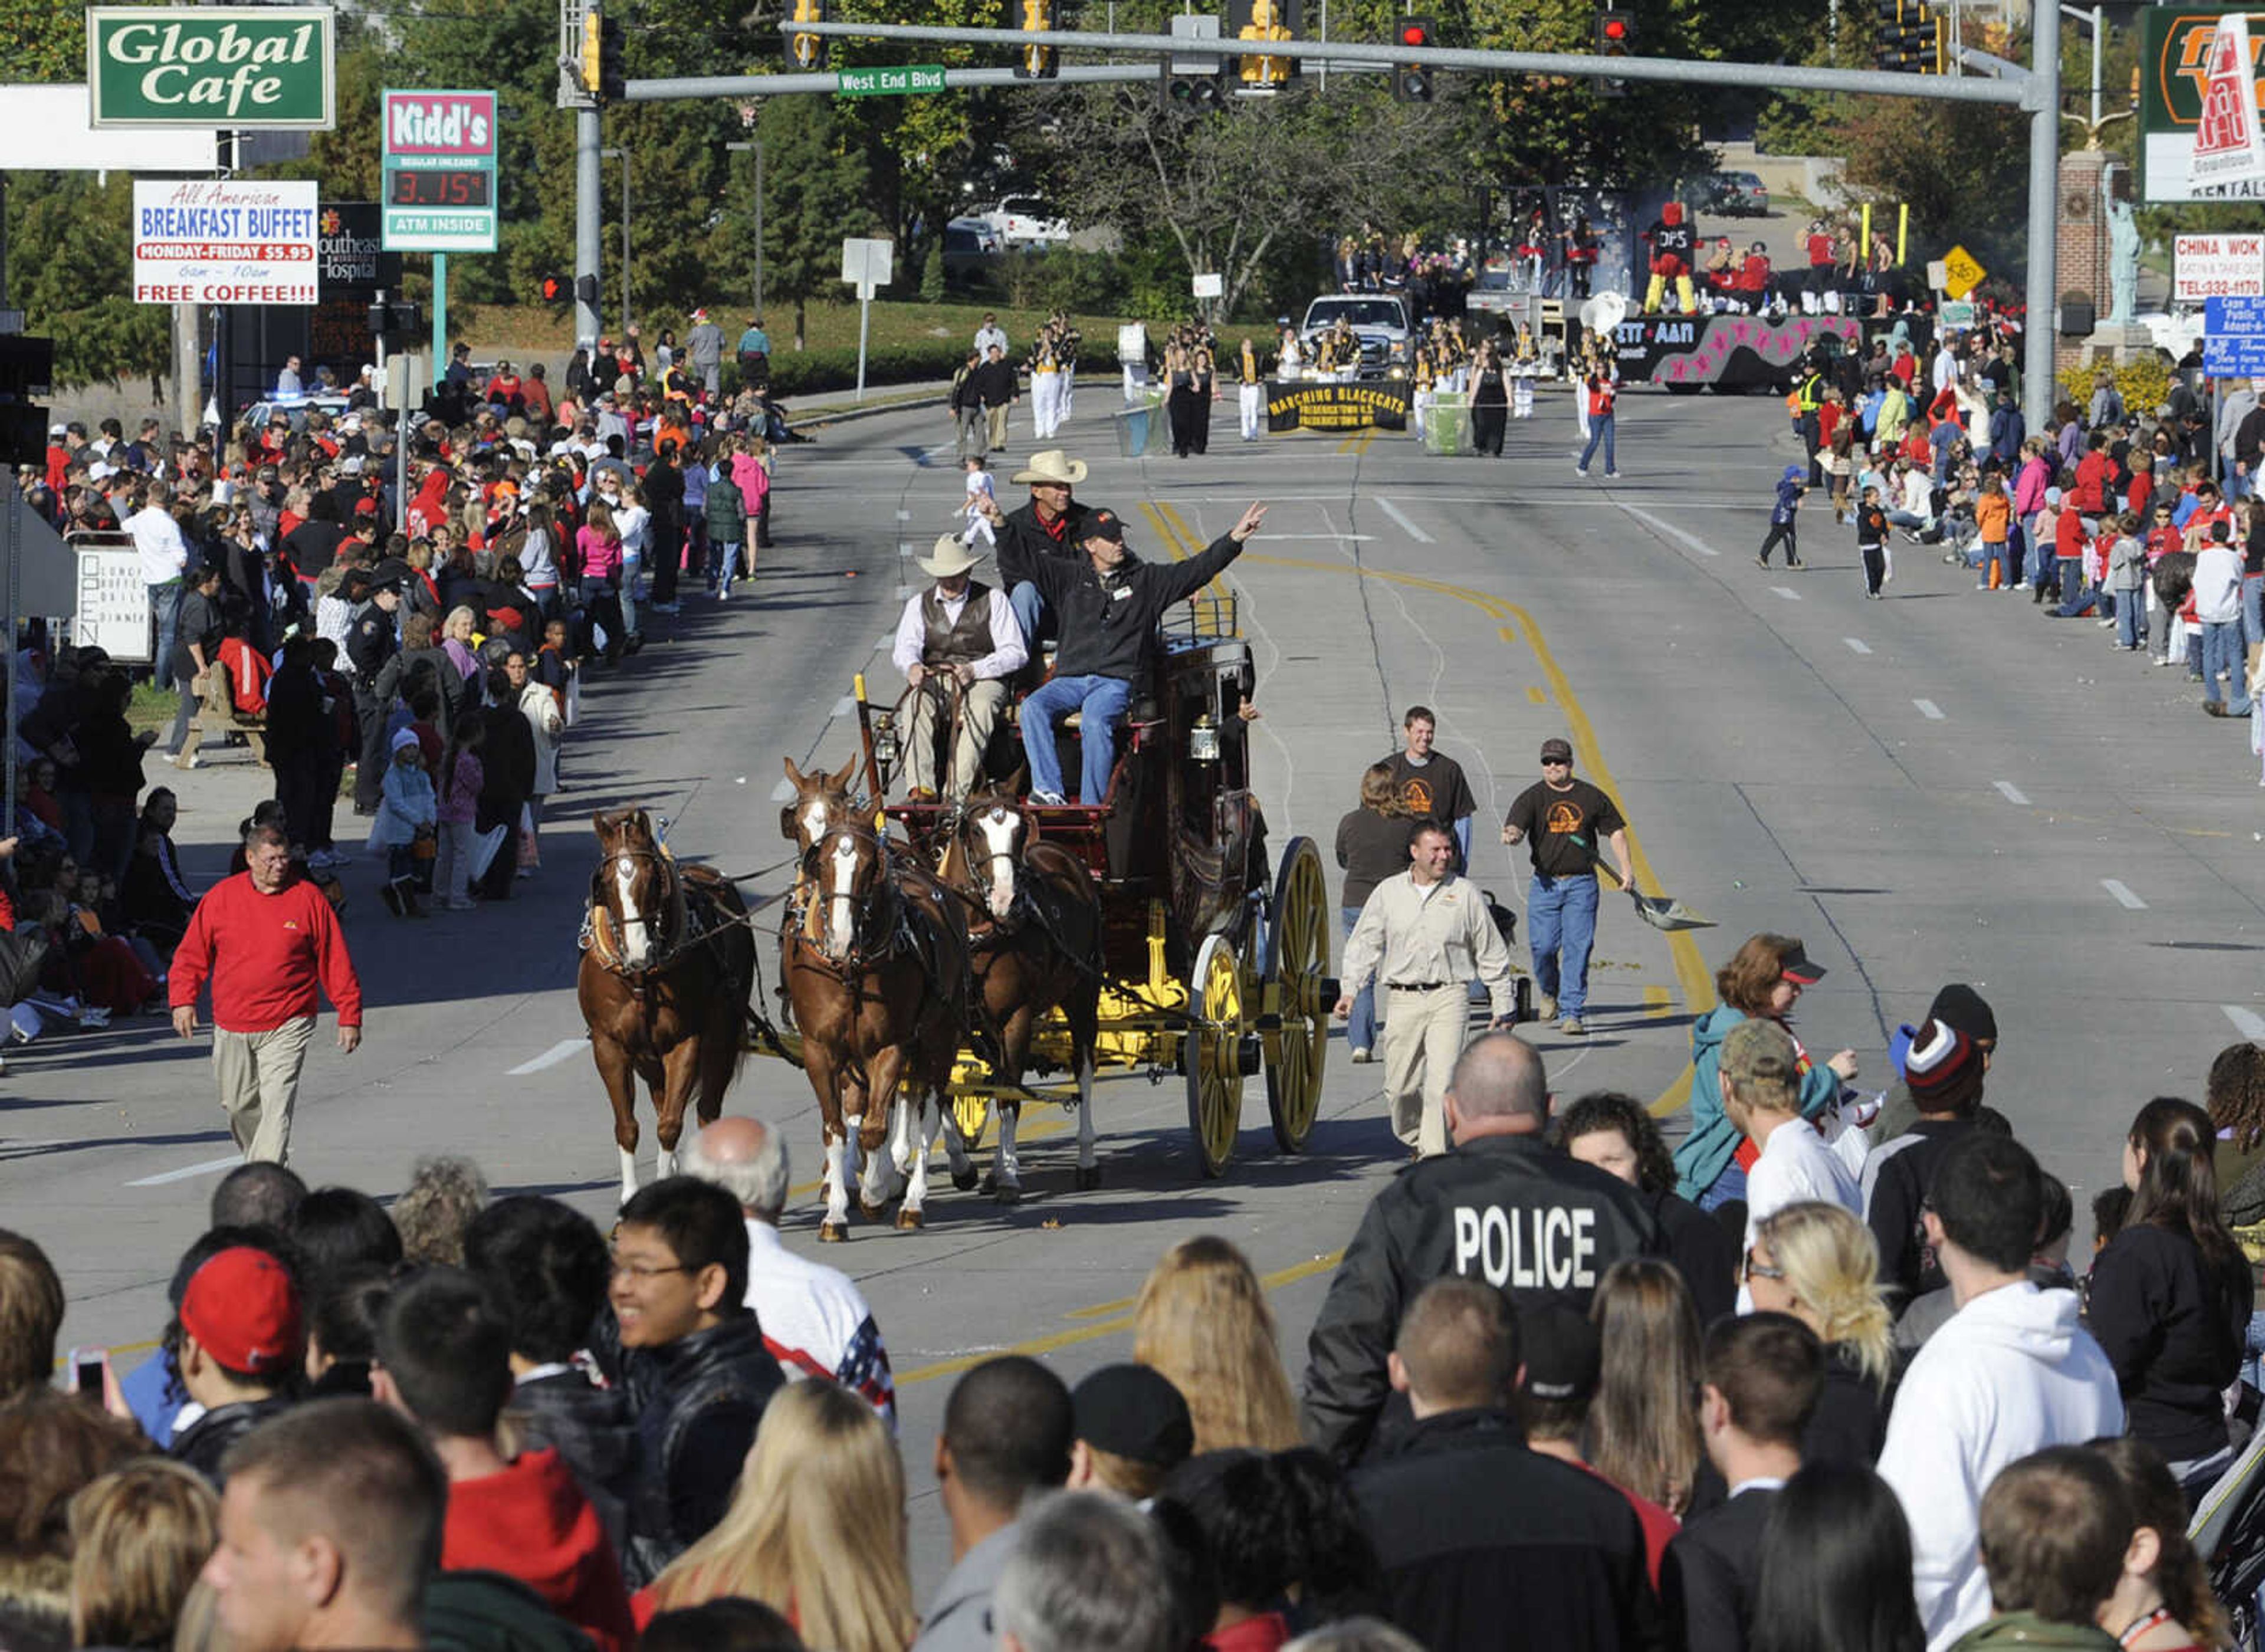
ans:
(1658, 1001)
(1536, 695)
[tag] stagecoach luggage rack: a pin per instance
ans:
(1203, 618)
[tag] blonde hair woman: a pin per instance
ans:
(1819, 1263)
(140, 1535)
(816, 1529)
(1202, 1322)
(1644, 1424)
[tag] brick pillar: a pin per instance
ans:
(2081, 213)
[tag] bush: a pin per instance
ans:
(2144, 384)
(931, 281)
(809, 371)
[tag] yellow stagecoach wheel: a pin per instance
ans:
(1212, 1052)
(1298, 964)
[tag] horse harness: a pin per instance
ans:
(689, 923)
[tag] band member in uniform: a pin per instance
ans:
(1670, 239)
(1204, 374)
(1580, 254)
(1289, 353)
(1067, 341)
(1424, 394)
(1045, 368)
(957, 631)
(1490, 403)
(1180, 398)
(1524, 364)
(1250, 392)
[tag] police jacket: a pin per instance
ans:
(371, 642)
(699, 1400)
(1108, 621)
(1507, 1209)
(1023, 542)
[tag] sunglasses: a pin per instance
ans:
(1749, 1268)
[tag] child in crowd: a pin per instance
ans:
(406, 821)
(462, 776)
(1783, 510)
(1872, 541)
(2127, 571)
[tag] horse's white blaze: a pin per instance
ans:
(636, 933)
(845, 870)
(999, 828)
(813, 820)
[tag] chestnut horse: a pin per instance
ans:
(668, 964)
(875, 962)
(820, 800)
(1034, 944)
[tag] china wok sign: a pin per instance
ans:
(269, 67)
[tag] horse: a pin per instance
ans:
(667, 972)
(820, 800)
(875, 964)
(1034, 942)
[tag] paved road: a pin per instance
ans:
(1941, 786)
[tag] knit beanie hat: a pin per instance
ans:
(1943, 1069)
(1959, 1006)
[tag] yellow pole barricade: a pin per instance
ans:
(1903, 227)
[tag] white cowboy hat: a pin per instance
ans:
(951, 557)
(1053, 465)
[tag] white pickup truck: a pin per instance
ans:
(1379, 320)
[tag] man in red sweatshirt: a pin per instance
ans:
(444, 1359)
(266, 940)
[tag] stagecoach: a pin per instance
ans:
(1215, 946)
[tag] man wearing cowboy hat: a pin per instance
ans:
(1048, 526)
(959, 630)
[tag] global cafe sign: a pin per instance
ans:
(267, 66)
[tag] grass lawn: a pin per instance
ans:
(532, 330)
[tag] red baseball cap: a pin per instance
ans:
(242, 1306)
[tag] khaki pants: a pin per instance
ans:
(1423, 1035)
(258, 1075)
(978, 713)
(997, 416)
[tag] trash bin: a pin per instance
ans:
(1141, 428)
(1448, 423)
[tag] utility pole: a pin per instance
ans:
(589, 224)
(756, 145)
(622, 155)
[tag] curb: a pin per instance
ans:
(845, 414)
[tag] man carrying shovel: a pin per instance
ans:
(1562, 821)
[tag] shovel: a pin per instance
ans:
(1661, 912)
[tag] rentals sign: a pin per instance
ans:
(2199, 120)
(270, 67)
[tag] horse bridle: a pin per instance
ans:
(856, 956)
(668, 926)
(982, 923)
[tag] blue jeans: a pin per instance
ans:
(1600, 429)
(1029, 607)
(1561, 916)
(2252, 611)
(2222, 651)
(1360, 1026)
(166, 604)
(1100, 700)
(1731, 1184)
(2131, 609)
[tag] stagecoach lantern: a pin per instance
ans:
(885, 738)
(1203, 740)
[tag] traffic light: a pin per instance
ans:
(808, 51)
(601, 55)
(1411, 82)
(1262, 74)
(555, 289)
(1036, 62)
(27, 370)
(1615, 38)
(1190, 79)
(1913, 39)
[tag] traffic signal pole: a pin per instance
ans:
(2035, 92)
(589, 226)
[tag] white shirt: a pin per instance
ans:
(986, 336)
(632, 523)
(1009, 650)
(815, 1322)
(157, 536)
(1795, 1165)
(2217, 584)
(1411, 932)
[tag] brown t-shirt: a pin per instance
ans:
(1564, 831)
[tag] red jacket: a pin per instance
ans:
(264, 954)
(2092, 483)
(532, 1522)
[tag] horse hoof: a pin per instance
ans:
(990, 1182)
(871, 1212)
(910, 1221)
(963, 1180)
(1088, 1177)
(832, 1233)
(1008, 1193)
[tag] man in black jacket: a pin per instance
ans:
(546, 1263)
(664, 497)
(1109, 601)
(1501, 1205)
(994, 384)
(507, 780)
(1050, 526)
(371, 642)
(1480, 1538)
(693, 1360)
(1763, 1375)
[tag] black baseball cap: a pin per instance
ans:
(1133, 1412)
(1104, 524)
(1556, 751)
(1796, 967)
(1562, 1353)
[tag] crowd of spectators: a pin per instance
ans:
(2144, 520)
(1865, 1403)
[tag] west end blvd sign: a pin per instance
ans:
(888, 83)
(268, 67)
